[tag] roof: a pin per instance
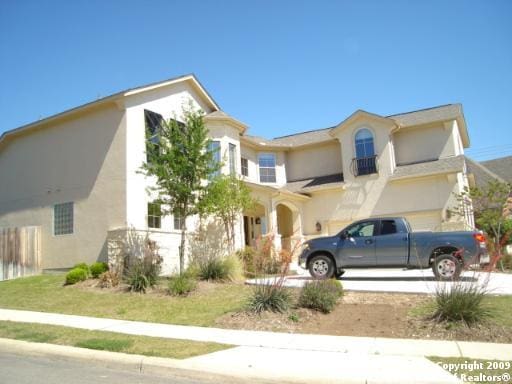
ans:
(113, 98)
(482, 174)
(501, 167)
(304, 138)
(403, 120)
(315, 183)
(433, 167)
(222, 116)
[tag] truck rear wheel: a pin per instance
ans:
(447, 268)
(321, 267)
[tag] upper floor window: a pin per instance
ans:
(178, 222)
(267, 165)
(364, 162)
(154, 215)
(63, 219)
(214, 148)
(153, 122)
(245, 166)
(232, 159)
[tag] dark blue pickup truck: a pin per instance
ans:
(389, 242)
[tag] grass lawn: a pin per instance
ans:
(106, 341)
(481, 371)
(46, 293)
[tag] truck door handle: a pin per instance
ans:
(369, 241)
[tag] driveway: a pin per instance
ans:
(405, 281)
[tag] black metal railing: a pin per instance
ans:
(364, 165)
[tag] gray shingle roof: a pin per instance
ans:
(443, 112)
(501, 167)
(440, 113)
(481, 173)
(304, 138)
(314, 183)
(444, 165)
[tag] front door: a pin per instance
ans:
(357, 246)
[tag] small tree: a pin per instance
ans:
(226, 197)
(488, 205)
(180, 161)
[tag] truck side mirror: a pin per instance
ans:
(343, 235)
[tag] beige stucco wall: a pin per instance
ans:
(318, 160)
(427, 142)
(80, 160)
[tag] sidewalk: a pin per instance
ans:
(295, 357)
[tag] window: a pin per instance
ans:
(245, 166)
(365, 153)
(364, 229)
(63, 219)
(267, 164)
(154, 215)
(232, 159)
(177, 222)
(388, 227)
(214, 148)
(153, 123)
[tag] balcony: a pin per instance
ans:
(364, 166)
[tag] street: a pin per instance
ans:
(29, 369)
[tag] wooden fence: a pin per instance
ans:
(20, 252)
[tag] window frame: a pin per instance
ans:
(54, 221)
(217, 156)
(364, 163)
(244, 167)
(177, 219)
(260, 168)
(152, 132)
(150, 215)
(232, 158)
(375, 228)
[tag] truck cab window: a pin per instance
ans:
(362, 229)
(388, 227)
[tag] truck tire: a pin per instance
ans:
(446, 268)
(321, 267)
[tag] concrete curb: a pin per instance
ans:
(275, 340)
(135, 363)
(242, 364)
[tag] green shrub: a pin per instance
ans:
(462, 303)
(98, 268)
(83, 266)
(320, 295)
(270, 296)
(233, 268)
(181, 285)
(143, 272)
(75, 275)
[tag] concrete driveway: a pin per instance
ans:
(407, 281)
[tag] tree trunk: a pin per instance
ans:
(182, 245)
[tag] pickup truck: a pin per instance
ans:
(389, 242)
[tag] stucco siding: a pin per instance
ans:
(425, 143)
(313, 161)
(80, 160)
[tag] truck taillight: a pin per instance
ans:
(479, 237)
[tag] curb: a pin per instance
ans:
(135, 363)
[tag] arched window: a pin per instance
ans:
(365, 153)
(364, 144)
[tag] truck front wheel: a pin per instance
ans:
(321, 267)
(447, 268)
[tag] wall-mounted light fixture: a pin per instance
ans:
(258, 220)
(318, 226)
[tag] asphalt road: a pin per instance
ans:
(29, 369)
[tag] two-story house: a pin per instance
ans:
(75, 174)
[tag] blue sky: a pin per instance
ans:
(280, 66)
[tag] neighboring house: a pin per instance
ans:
(76, 175)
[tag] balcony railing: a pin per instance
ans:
(364, 166)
